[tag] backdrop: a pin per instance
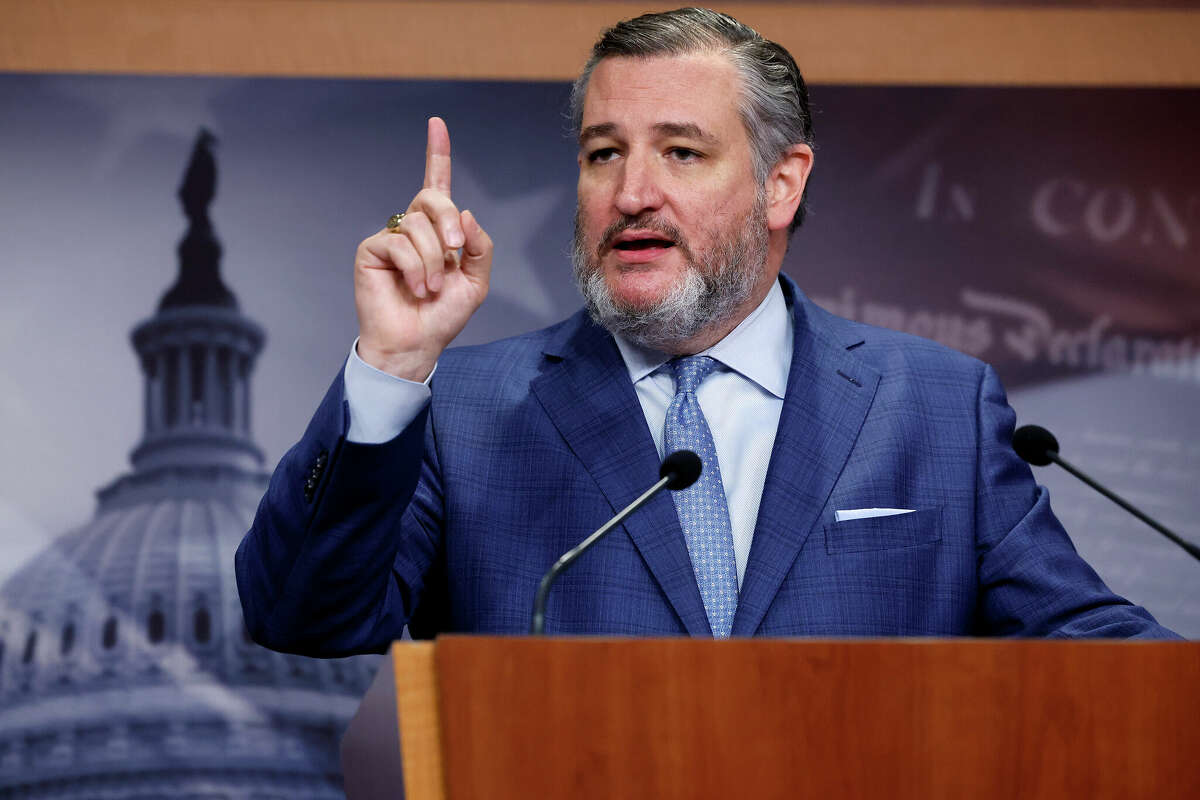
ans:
(1051, 232)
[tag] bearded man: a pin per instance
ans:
(856, 482)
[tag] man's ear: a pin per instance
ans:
(785, 186)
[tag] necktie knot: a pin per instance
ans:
(689, 371)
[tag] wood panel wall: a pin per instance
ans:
(548, 40)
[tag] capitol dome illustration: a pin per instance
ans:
(125, 668)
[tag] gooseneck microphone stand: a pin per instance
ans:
(679, 471)
(1037, 446)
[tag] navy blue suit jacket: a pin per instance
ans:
(531, 443)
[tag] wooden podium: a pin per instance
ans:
(679, 718)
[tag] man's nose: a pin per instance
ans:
(640, 189)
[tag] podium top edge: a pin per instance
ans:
(460, 639)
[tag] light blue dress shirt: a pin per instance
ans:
(741, 400)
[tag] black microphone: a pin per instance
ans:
(678, 471)
(1034, 444)
(1037, 446)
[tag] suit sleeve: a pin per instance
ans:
(344, 539)
(1031, 580)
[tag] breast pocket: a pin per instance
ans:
(884, 533)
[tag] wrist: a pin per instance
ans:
(409, 365)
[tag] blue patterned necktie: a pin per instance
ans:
(703, 512)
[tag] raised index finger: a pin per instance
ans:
(437, 156)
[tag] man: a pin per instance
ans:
(856, 481)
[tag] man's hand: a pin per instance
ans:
(413, 290)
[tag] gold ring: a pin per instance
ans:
(393, 223)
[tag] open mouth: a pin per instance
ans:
(643, 244)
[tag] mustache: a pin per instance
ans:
(642, 222)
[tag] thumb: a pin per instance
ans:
(477, 249)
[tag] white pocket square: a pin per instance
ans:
(867, 513)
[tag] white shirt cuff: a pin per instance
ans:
(381, 405)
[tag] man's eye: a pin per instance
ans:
(602, 155)
(684, 154)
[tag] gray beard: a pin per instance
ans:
(711, 291)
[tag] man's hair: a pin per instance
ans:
(774, 100)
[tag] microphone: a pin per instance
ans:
(679, 470)
(1037, 446)
(1034, 444)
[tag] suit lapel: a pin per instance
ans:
(828, 395)
(586, 391)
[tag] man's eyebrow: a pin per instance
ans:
(688, 130)
(596, 131)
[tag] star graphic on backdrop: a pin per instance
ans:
(515, 223)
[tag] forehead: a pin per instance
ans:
(701, 88)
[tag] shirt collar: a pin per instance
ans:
(759, 348)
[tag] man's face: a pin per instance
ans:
(667, 193)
